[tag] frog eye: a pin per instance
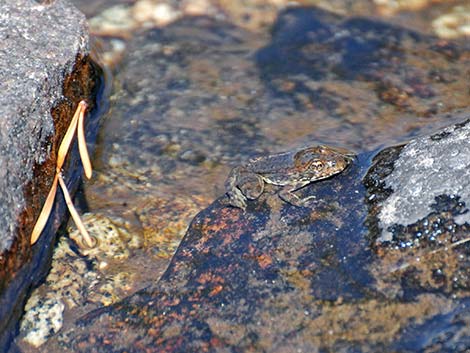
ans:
(306, 157)
(317, 164)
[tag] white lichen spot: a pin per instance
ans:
(462, 219)
(388, 212)
(416, 191)
(426, 162)
(388, 216)
(410, 152)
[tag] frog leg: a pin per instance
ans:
(287, 194)
(237, 197)
(241, 185)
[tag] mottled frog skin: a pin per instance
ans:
(292, 170)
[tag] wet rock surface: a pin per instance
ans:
(44, 72)
(200, 96)
(283, 278)
(351, 73)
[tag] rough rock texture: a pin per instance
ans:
(45, 71)
(418, 192)
(427, 168)
(38, 45)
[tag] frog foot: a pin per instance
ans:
(237, 199)
(288, 196)
(243, 185)
(235, 195)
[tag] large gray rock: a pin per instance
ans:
(45, 70)
(426, 169)
(38, 46)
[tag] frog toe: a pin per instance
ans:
(239, 203)
(237, 199)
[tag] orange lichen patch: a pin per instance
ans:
(226, 223)
(213, 281)
(216, 343)
(206, 278)
(211, 225)
(231, 237)
(264, 261)
(217, 289)
(169, 302)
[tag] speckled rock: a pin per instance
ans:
(44, 72)
(44, 322)
(33, 63)
(81, 279)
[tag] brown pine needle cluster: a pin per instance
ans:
(77, 122)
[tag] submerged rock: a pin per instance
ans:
(45, 72)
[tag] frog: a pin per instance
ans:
(291, 170)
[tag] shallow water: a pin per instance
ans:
(193, 100)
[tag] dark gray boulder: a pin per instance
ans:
(39, 44)
(45, 71)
